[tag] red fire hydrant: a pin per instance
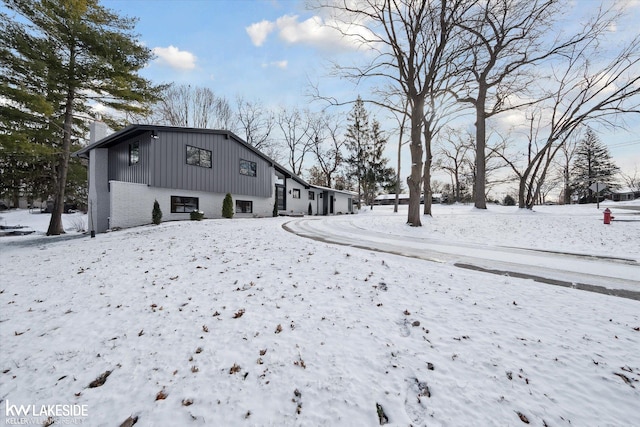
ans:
(607, 216)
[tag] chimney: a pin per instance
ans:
(97, 131)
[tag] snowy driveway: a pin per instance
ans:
(609, 275)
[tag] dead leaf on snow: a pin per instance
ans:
(100, 380)
(129, 422)
(523, 418)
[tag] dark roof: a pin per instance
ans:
(132, 131)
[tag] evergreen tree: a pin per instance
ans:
(376, 175)
(59, 58)
(227, 206)
(592, 164)
(358, 144)
(156, 213)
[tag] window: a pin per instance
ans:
(198, 157)
(312, 195)
(248, 168)
(244, 206)
(134, 153)
(183, 204)
(296, 193)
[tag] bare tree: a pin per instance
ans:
(327, 143)
(411, 39)
(578, 94)
(295, 126)
(567, 151)
(199, 107)
(631, 179)
(504, 39)
(453, 157)
(256, 123)
(400, 116)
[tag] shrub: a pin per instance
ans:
(509, 201)
(156, 214)
(227, 206)
(196, 215)
(310, 210)
(275, 207)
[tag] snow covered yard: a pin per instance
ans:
(237, 322)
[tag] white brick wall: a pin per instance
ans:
(297, 206)
(131, 204)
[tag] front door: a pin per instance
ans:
(280, 196)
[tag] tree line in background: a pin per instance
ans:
(431, 63)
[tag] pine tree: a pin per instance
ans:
(227, 206)
(377, 176)
(592, 164)
(59, 58)
(358, 144)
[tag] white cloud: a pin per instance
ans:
(175, 58)
(314, 31)
(280, 64)
(259, 31)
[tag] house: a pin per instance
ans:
(188, 169)
(625, 194)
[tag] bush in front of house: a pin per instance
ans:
(275, 207)
(156, 213)
(196, 215)
(227, 206)
(509, 201)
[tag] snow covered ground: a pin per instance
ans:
(238, 322)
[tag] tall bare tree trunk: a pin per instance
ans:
(427, 171)
(481, 172)
(414, 180)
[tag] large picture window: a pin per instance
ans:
(183, 204)
(244, 206)
(134, 153)
(198, 157)
(248, 168)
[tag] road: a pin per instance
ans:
(612, 276)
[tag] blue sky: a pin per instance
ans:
(254, 48)
(271, 49)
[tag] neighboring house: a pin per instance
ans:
(403, 199)
(188, 169)
(625, 194)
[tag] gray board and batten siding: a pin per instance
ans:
(163, 162)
